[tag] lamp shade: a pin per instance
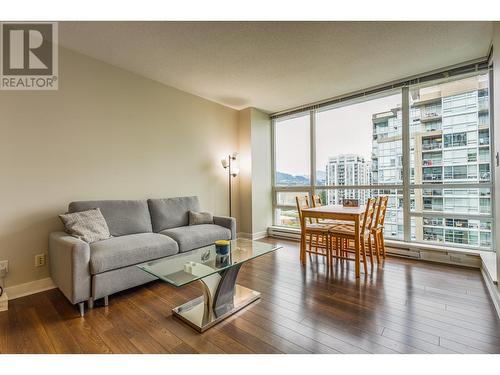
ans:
(235, 171)
(224, 162)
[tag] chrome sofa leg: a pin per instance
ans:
(81, 307)
(90, 303)
(106, 301)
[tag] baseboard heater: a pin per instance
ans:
(404, 253)
(395, 249)
(284, 233)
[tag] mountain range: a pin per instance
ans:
(289, 179)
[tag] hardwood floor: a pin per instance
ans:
(404, 306)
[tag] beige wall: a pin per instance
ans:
(245, 176)
(262, 204)
(105, 134)
(255, 195)
(496, 112)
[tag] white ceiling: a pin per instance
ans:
(274, 66)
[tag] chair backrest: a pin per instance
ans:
(381, 211)
(302, 202)
(317, 201)
(369, 214)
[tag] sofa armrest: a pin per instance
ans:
(227, 222)
(69, 266)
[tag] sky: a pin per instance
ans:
(344, 130)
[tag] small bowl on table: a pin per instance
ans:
(222, 247)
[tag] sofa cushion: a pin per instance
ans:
(195, 236)
(122, 216)
(197, 218)
(118, 252)
(171, 212)
(89, 226)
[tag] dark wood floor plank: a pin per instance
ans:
(59, 334)
(159, 308)
(34, 338)
(269, 337)
(402, 306)
(478, 325)
(416, 343)
(82, 332)
(269, 323)
(409, 323)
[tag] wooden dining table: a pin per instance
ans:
(334, 212)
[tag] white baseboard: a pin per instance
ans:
(31, 287)
(252, 236)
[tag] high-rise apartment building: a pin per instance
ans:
(449, 144)
(387, 165)
(345, 170)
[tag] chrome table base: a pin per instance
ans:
(193, 312)
(221, 298)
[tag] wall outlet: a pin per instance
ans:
(4, 268)
(40, 260)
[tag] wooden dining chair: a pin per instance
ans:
(377, 230)
(318, 202)
(317, 234)
(343, 234)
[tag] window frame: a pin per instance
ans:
(407, 185)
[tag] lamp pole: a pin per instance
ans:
(229, 176)
(232, 172)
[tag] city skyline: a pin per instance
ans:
(329, 136)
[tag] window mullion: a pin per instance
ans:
(405, 112)
(312, 137)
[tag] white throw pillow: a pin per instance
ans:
(90, 226)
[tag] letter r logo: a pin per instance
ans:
(27, 49)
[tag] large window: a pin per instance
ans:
(455, 151)
(355, 150)
(292, 153)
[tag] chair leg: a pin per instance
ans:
(376, 245)
(328, 250)
(363, 253)
(106, 301)
(370, 249)
(81, 308)
(90, 303)
(382, 243)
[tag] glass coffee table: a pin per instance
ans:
(221, 297)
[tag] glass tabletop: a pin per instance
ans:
(181, 269)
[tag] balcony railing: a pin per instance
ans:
(431, 146)
(430, 116)
(432, 163)
(433, 177)
(433, 208)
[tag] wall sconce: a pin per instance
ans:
(228, 163)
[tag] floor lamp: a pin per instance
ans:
(232, 171)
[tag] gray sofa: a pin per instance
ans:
(142, 230)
